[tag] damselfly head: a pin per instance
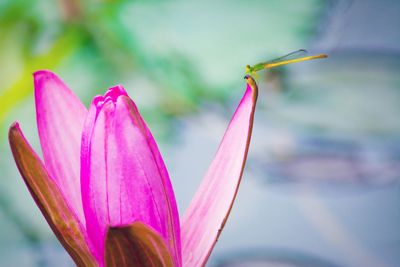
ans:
(248, 69)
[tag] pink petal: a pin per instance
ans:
(62, 220)
(60, 118)
(210, 207)
(136, 245)
(123, 176)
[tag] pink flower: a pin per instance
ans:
(104, 189)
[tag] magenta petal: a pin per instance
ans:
(60, 118)
(212, 202)
(51, 202)
(123, 176)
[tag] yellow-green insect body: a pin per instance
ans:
(287, 59)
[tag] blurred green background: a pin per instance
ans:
(321, 187)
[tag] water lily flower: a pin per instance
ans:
(103, 186)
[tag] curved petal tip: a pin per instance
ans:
(15, 125)
(43, 73)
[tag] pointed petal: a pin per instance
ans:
(210, 207)
(60, 118)
(65, 225)
(123, 176)
(136, 245)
